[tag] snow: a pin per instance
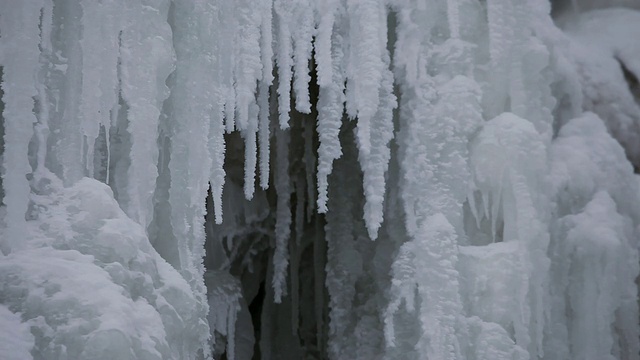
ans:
(17, 340)
(341, 179)
(90, 284)
(601, 47)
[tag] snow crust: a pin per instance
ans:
(342, 179)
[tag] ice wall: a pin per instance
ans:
(344, 179)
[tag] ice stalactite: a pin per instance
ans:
(191, 161)
(375, 162)
(68, 56)
(331, 79)
(20, 39)
(302, 36)
(283, 54)
(100, 46)
(370, 99)
(264, 94)
(41, 129)
(144, 91)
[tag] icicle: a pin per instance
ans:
(264, 136)
(302, 35)
(284, 60)
(250, 151)
(376, 163)
(501, 26)
(330, 111)
(70, 144)
(42, 128)
(367, 19)
(114, 118)
(283, 214)
(266, 46)
(322, 42)
(143, 89)
(453, 17)
(191, 118)
(20, 38)
(248, 68)
(226, 42)
(217, 152)
(99, 46)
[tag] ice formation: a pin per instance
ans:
(342, 179)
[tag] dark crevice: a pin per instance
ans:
(631, 79)
(243, 245)
(634, 87)
(255, 308)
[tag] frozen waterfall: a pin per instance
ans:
(319, 179)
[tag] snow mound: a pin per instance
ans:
(90, 285)
(606, 55)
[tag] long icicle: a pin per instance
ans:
(20, 38)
